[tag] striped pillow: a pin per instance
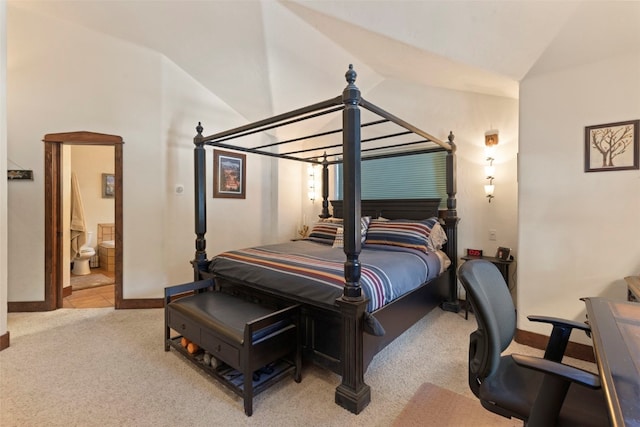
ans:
(324, 232)
(403, 233)
(339, 242)
(330, 229)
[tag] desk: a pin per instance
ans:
(615, 328)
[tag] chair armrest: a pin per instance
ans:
(559, 335)
(553, 389)
(555, 321)
(567, 372)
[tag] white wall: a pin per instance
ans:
(439, 111)
(78, 80)
(83, 80)
(3, 167)
(579, 232)
(231, 223)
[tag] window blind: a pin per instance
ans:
(406, 177)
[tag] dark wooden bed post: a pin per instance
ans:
(352, 394)
(451, 226)
(199, 163)
(325, 188)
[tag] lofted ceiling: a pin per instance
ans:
(258, 56)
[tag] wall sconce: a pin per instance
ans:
(490, 142)
(311, 182)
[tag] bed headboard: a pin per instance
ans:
(394, 208)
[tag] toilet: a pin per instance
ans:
(81, 262)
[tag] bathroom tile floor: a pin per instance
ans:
(97, 297)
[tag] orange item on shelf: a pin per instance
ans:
(192, 347)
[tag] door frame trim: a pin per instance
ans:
(53, 262)
(53, 252)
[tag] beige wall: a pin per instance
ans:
(89, 163)
(578, 232)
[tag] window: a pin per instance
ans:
(406, 177)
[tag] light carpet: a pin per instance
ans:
(434, 406)
(106, 367)
(90, 281)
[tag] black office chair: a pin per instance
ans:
(541, 392)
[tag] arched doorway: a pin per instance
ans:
(53, 207)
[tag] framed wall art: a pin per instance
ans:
(503, 253)
(13, 174)
(229, 172)
(108, 185)
(612, 146)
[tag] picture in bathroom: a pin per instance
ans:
(108, 185)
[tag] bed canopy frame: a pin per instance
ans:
(353, 394)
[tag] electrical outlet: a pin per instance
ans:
(492, 234)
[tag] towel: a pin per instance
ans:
(77, 225)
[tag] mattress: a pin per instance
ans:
(313, 273)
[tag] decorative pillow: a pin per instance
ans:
(324, 232)
(403, 233)
(332, 220)
(437, 236)
(364, 226)
(339, 241)
(338, 237)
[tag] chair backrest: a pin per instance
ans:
(495, 314)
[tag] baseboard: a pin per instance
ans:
(575, 350)
(140, 303)
(4, 341)
(28, 306)
(66, 291)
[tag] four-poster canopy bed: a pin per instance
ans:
(343, 329)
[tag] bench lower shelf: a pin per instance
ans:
(234, 379)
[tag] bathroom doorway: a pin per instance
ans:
(89, 204)
(57, 173)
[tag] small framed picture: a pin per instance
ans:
(108, 185)
(503, 253)
(610, 147)
(13, 174)
(229, 174)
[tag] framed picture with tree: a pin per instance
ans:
(612, 146)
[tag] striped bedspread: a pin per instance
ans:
(314, 272)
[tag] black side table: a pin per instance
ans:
(503, 266)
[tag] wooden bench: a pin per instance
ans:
(244, 345)
(633, 288)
